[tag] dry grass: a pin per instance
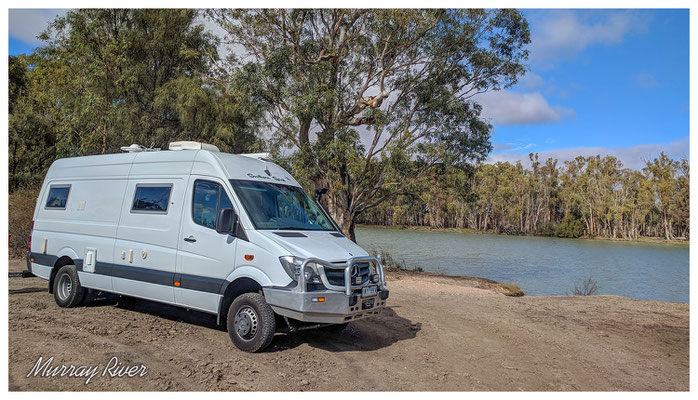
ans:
(511, 289)
(21, 211)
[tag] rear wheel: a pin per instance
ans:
(251, 322)
(66, 287)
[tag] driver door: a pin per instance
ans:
(205, 257)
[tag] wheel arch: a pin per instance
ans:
(233, 289)
(60, 262)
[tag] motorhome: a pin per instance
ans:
(230, 235)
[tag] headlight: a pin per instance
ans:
(292, 266)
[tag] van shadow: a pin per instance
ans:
(27, 290)
(155, 309)
(379, 331)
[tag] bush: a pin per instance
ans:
(570, 227)
(511, 289)
(587, 287)
(21, 210)
(386, 257)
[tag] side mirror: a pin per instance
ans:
(227, 221)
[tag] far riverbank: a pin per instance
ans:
(642, 239)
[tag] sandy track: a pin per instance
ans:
(438, 334)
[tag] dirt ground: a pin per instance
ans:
(438, 334)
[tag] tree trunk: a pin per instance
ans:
(303, 134)
(346, 221)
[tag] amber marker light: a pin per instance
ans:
(177, 283)
(249, 257)
(318, 299)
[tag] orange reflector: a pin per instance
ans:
(176, 283)
(31, 259)
(249, 257)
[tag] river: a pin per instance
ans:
(542, 266)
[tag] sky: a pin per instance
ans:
(609, 82)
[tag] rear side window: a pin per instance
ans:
(152, 198)
(58, 197)
(209, 199)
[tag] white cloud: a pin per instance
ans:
(505, 107)
(561, 34)
(27, 24)
(530, 81)
(645, 81)
(631, 157)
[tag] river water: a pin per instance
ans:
(542, 266)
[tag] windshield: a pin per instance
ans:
(274, 206)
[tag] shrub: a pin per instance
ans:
(21, 211)
(586, 287)
(570, 227)
(511, 289)
(386, 257)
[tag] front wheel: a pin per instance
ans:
(66, 287)
(251, 322)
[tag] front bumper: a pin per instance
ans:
(338, 306)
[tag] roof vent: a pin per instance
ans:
(187, 145)
(134, 148)
(137, 148)
(259, 156)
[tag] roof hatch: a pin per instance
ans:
(188, 145)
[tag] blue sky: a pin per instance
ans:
(600, 81)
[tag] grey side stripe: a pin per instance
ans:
(165, 278)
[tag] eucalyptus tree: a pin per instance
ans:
(360, 94)
(662, 172)
(121, 76)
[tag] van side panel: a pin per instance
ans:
(89, 221)
(145, 252)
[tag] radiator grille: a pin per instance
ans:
(336, 276)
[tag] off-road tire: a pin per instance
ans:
(66, 287)
(262, 318)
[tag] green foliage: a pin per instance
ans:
(106, 78)
(570, 227)
(587, 196)
(402, 79)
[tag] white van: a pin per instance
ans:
(231, 235)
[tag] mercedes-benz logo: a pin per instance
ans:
(356, 274)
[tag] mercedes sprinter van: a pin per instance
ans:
(231, 235)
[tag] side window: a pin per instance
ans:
(58, 197)
(152, 198)
(209, 198)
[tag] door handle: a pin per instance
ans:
(190, 239)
